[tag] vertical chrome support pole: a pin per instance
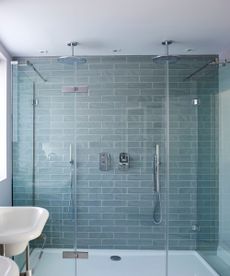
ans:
(28, 271)
(167, 94)
(33, 145)
(167, 43)
(2, 250)
(28, 257)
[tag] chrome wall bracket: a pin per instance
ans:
(74, 255)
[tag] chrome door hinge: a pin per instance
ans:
(35, 102)
(74, 255)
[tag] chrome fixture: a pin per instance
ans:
(36, 70)
(44, 238)
(167, 57)
(44, 52)
(75, 89)
(157, 212)
(156, 169)
(195, 228)
(115, 258)
(104, 161)
(28, 63)
(71, 161)
(75, 255)
(196, 101)
(123, 161)
(117, 50)
(2, 250)
(35, 102)
(72, 59)
(224, 62)
(214, 61)
(28, 271)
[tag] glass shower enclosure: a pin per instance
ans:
(91, 159)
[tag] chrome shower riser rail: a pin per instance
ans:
(33, 144)
(157, 219)
(156, 170)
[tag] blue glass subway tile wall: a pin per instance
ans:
(124, 111)
(208, 163)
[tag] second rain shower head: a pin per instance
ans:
(72, 59)
(167, 57)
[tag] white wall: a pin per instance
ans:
(6, 185)
(224, 161)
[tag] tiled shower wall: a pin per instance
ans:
(124, 111)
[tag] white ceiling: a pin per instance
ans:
(134, 26)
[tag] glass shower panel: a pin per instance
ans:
(182, 155)
(223, 249)
(55, 173)
(23, 141)
(118, 125)
(22, 145)
(22, 137)
(208, 162)
(193, 164)
(213, 238)
(49, 115)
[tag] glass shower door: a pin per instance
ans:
(55, 179)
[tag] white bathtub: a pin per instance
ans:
(132, 263)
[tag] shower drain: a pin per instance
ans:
(115, 258)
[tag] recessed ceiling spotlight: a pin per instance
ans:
(43, 52)
(117, 50)
(189, 50)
